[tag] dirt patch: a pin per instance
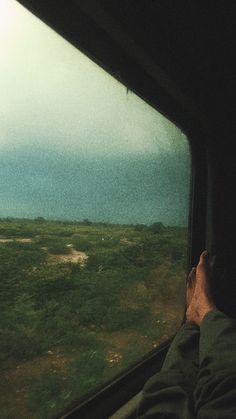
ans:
(25, 240)
(17, 381)
(122, 340)
(53, 361)
(124, 240)
(75, 256)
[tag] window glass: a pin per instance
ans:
(94, 187)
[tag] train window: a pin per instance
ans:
(94, 188)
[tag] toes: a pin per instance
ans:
(204, 255)
(203, 259)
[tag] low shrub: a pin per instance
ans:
(46, 396)
(81, 243)
(87, 372)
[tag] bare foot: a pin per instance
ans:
(201, 302)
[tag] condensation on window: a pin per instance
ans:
(94, 187)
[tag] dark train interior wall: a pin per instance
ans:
(178, 56)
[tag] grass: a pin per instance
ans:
(69, 327)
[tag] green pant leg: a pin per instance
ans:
(215, 393)
(183, 354)
(169, 393)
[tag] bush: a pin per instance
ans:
(135, 255)
(81, 243)
(49, 393)
(10, 412)
(106, 313)
(118, 318)
(15, 256)
(20, 343)
(82, 340)
(87, 371)
(107, 260)
(49, 283)
(14, 264)
(140, 227)
(58, 247)
(39, 220)
(47, 396)
(156, 228)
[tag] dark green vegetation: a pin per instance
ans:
(79, 303)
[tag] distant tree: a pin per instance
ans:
(40, 219)
(87, 222)
(80, 243)
(140, 227)
(58, 247)
(156, 228)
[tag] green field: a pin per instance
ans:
(79, 303)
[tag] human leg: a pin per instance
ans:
(169, 393)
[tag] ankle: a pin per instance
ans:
(202, 313)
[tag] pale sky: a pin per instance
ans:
(58, 110)
(52, 93)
